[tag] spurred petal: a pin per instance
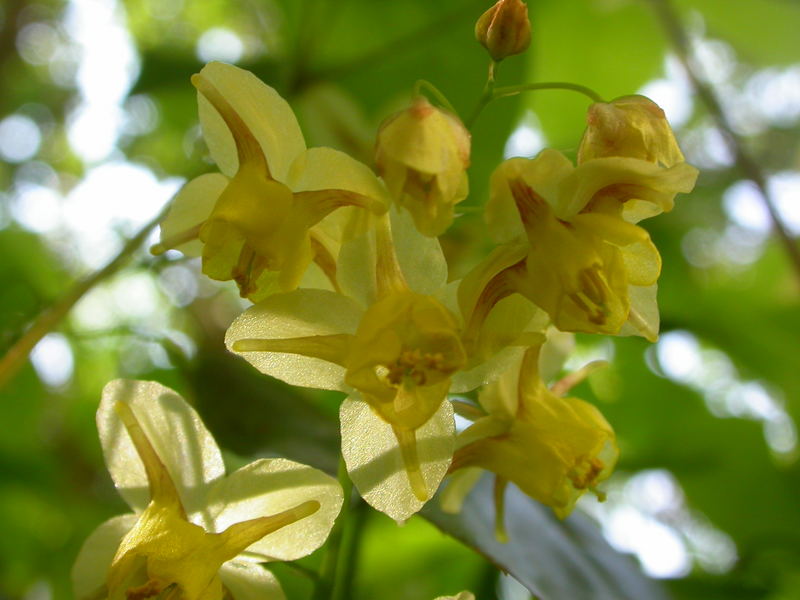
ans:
(458, 486)
(544, 174)
(270, 486)
(177, 434)
(298, 314)
(250, 581)
(375, 463)
(268, 117)
(90, 570)
(626, 179)
(328, 169)
(190, 208)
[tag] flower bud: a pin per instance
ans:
(630, 126)
(422, 153)
(504, 29)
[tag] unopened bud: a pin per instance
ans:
(630, 126)
(422, 153)
(504, 29)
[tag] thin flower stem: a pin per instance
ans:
(348, 557)
(491, 93)
(435, 92)
(49, 319)
(324, 587)
(513, 90)
(487, 95)
(746, 164)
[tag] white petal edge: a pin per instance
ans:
(250, 581)
(269, 486)
(300, 313)
(90, 571)
(374, 462)
(178, 436)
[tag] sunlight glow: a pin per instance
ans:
(19, 138)
(527, 139)
(52, 358)
(219, 43)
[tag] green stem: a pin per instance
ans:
(13, 360)
(486, 96)
(348, 558)
(323, 590)
(513, 90)
(421, 84)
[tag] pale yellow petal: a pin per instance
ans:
(268, 116)
(190, 208)
(355, 269)
(270, 486)
(643, 319)
(329, 169)
(90, 571)
(642, 263)
(301, 313)
(250, 581)
(420, 257)
(179, 437)
(554, 353)
(375, 464)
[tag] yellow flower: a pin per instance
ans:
(553, 448)
(258, 221)
(393, 344)
(422, 153)
(630, 126)
(195, 534)
(568, 245)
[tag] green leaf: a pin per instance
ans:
(553, 559)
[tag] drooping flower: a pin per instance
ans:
(195, 534)
(630, 126)
(422, 153)
(259, 220)
(567, 245)
(553, 448)
(392, 341)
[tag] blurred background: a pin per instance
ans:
(98, 128)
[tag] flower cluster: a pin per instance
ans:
(351, 293)
(383, 324)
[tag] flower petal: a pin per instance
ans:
(177, 434)
(269, 486)
(190, 208)
(459, 485)
(268, 117)
(90, 571)
(642, 263)
(250, 581)
(329, 169)
(643, 319)
(421, 258)
(301, 313)
(375, 463)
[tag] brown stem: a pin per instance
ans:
(746, 164)
(52, 316)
